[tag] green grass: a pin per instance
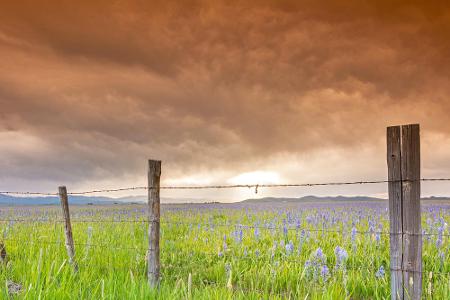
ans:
(114, 266)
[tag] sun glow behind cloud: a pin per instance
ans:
(256, 177)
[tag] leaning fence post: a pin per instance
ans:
(403, 157)
(67, 227)
(153, 262)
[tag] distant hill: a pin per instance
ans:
(53, 200)
(436, 198)
(311, 199)
(99, 200)
(329, 198)
(85, 200)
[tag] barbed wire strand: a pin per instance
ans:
(349, 266)
(47, 242)
(256, 186)
(235, 225)
(286, 258)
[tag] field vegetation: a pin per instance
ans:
(216, 251)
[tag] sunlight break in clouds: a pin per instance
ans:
(256, 177)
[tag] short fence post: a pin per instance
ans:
(153, 261)
(403, 157)
(67, 227)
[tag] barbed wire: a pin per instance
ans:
(52, 242)
(291, 259)
(280, 258)
(283, 258)
(72, 221)
(255, 186)
(235, 225)
(28, 193)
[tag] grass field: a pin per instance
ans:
(217, 251)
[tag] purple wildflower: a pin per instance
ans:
(324, 272)
(285, 230)
(289, 248)
(341, 256)
(319, 254)
(353, 238)
(227, 268)
(256, 233)
(308, 268)
(380, 273)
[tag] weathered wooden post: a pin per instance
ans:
(395, 210)
(403, 158)
(67, 227)
(412, 232)
(153, 262)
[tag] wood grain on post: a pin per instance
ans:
(153, 262)
(67, 227)
(412, 238)
(403, 157)
(393, 136)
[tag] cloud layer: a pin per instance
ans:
(90, 90)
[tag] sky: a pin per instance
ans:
(223, 92)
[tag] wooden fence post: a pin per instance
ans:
(412, 232)
(153, 262)
(67, 227)
(403, 157)
(395, 210)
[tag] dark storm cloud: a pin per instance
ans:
(99, 86)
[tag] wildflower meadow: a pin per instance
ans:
(217, 251)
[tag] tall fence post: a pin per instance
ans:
(153, 261)
(412, 232)
(395, 210)
(67, 226)
(403, 158)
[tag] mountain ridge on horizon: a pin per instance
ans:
(86, 200)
